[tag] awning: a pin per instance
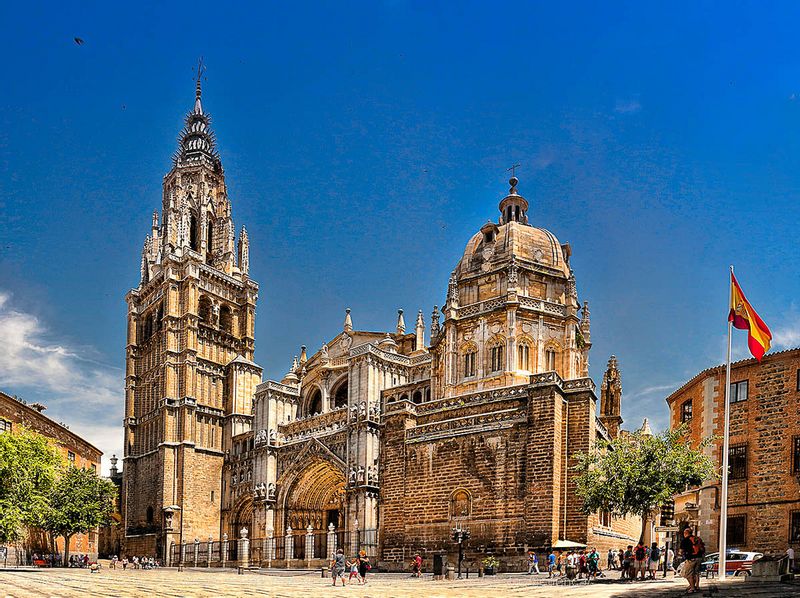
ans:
(568, 544)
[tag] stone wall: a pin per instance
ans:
(767, 423)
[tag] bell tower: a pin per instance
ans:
(611, 398)
(190, 378)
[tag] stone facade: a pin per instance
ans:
(77, 451)
(763, 499)
(378, 439)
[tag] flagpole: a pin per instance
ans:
(723, 514)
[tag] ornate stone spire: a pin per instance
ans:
(585, 323)
(303, 354)
(419, 344)
(401, 323)
(244, 252)
(452, 291)
(348, 321)
(645, 429)
(611, 398)
(197, 141)
(435, 322)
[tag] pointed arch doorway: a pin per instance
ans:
(315, 497)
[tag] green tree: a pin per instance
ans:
(80, 501)
(636, 473)
(29, 465)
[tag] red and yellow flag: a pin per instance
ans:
(744, 317)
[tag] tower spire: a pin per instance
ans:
(197, 141)
(198, 89)
(513, 207)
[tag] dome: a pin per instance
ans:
(494, 246)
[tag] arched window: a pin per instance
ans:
(550, 360)
(417, 397)
(496, 363)
(340, 395)
(204, 310)
(524, 357)
(470, 361)
(209, 238)
(314, 402)
(460, 504)
(159, 316)
(226, 319)
(194, 233)
(149, 514)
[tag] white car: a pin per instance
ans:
(738, 562)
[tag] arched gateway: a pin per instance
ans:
(312, 493)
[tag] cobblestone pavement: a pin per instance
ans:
(205, 583)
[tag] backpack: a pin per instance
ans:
(640, 553)
(699, 547)
(655, 553)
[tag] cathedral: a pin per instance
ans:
(380, 440)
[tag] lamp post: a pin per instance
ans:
(461, 536)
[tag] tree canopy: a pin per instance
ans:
(636, 473)
(29, 466)
(80, 501)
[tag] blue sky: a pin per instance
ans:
(365, 142)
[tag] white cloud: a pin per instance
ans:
(84, 394)
(628, 106)
(787, 334)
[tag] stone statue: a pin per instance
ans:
(352, 477)
(243, 533)
(270, 491)
(360, 474)
(324, 352)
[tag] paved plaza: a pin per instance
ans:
(171, 583)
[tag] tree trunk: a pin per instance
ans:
(66, 549)
(644, 527)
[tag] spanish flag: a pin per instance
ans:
(744, 317)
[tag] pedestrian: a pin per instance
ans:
(639, 560)
(416, 566)
(551, 563)
(113, 563)
(627, 563)
(533, 563)
(560, 563)
(693, 550)
(353, 568)
(363, 565)
(338, 564)
(124, 563)
(594, 562)
(612, 556)
(583, 565)
(670, 559)
(653, 559)
(790, 554)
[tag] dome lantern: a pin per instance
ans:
(513, 207)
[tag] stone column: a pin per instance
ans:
(331, 540)
(223, 549)
(289, 545)
(309, 545)
(270, 547)
(196, 550)
(244, 548)
(210, 546)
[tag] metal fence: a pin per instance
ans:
(286, 550)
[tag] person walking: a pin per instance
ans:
(670, 559)
(338, 566)
(612, 556)
(594, 563)
(560, 562)
(363, 565)
(790, 554)
(353, 567)
(691, 554)
(533, 563)
(551, 563)
(124, 563)
(416, 566)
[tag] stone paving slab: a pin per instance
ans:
(169, 583)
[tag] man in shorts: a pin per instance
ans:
(639, 560)
(691, 567)
(338, 566)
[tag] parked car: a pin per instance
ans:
(738, 562)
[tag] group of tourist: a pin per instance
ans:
(573, 564)
(640, 561)
(357, 567)
(136, 562)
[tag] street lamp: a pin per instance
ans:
(461, 536)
